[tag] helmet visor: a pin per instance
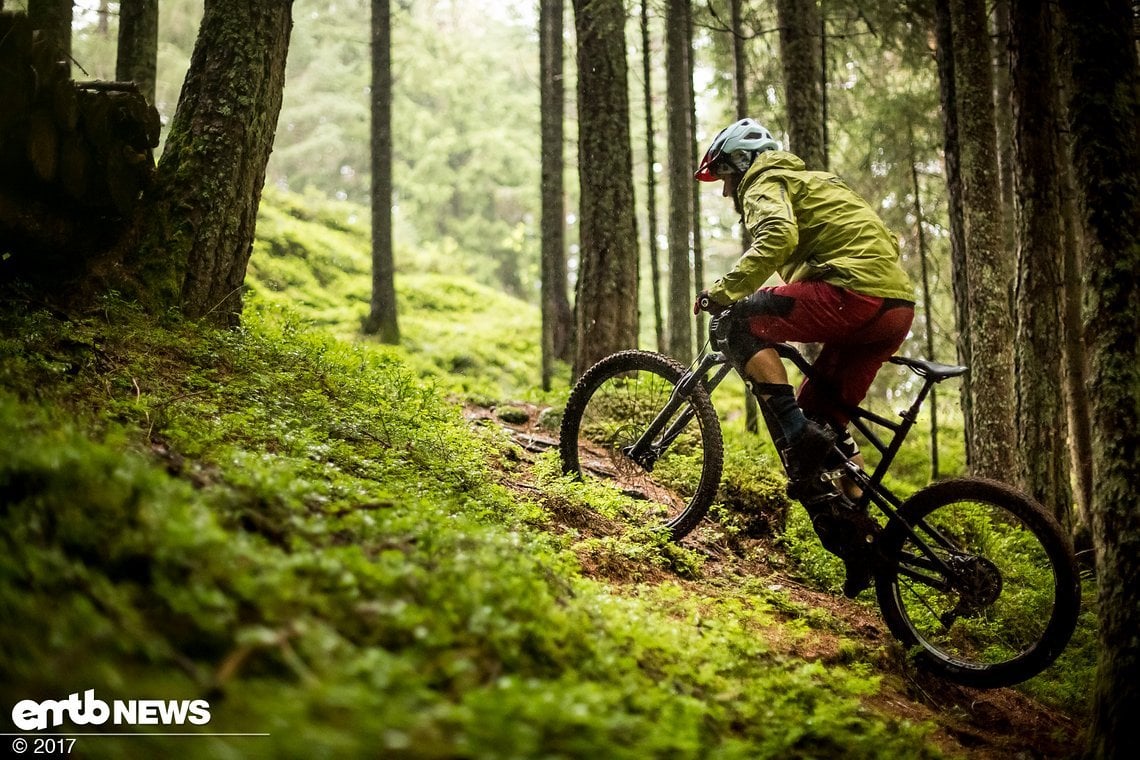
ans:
(714, 168)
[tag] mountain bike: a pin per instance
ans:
(975, 578)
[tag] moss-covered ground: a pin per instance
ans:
(341, 546)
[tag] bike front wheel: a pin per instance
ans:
(673, 472)
(979, 581)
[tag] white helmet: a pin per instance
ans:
(733, 150)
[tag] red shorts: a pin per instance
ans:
(859, 334)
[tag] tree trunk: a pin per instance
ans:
(739, 60)
(680, 320)
(800, 56)
(651, 180)
(1104, 110)
(1040, 411)
(382, 320)
(198, 226)
(1003, 114)
(927, 305)
(694, 186)
(556, 316)
(607, 274)
(990, 270)
(944, 55)
(137, 59)
(740, 98)
(53, 19)
(1073, 347)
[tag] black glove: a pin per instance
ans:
(705, 302)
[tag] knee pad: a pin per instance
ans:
(767, 303)
(742, 345)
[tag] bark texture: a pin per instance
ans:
(947, 91)
(137, 59)
(197, 234)
(1039, 300)
(680, 322)
(556, 315)
(990, 270)
(800, 54)
(1073, 345)
(382, 320)
(1003, 112)
(607, 313)
(740, 98)
(1104, 111)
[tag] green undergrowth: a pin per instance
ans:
(474, 343)
(307, 534)
(313, 256)
(298, 525)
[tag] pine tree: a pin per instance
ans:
(198, 223)
(382, 319)
(1104, 114)
(1040, 261)
(680, 323)
(137, 59)
(800, 54)
(606, 309)
(556, 316)
(989, 267)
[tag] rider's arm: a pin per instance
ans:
(770, 218)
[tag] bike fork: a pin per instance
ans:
(648, 448)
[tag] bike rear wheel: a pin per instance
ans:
(609, 410)
(1009, 603)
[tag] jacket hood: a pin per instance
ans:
(776, 159)
(769, 159)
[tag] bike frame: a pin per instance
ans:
(712, 368)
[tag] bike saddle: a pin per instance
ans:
(933, 370)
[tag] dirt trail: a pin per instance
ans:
(972, 723)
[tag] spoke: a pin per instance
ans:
(621, 410)
(933, 612)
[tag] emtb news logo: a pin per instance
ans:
(29, 715)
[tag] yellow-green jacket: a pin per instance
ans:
(810, 226)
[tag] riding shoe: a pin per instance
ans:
(848, 533)
(859, 574)
(805, 458)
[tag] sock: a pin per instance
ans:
(780, 400)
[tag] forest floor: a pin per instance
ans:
(975, 723)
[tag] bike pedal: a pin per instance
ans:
(832, 476)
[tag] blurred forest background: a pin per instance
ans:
(477, 604)
(466, 125)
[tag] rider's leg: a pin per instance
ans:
(806, 443)
(847, 366)
(845, 444)
(846, 371)
(769, 316)
(769, 383)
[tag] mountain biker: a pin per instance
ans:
(843, 287)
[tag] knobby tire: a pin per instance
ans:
(1024, 618)
(683, 510)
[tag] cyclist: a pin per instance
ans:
(843, 287)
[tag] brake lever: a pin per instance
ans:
(718, 321)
